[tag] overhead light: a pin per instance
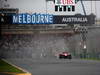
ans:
(84, 46)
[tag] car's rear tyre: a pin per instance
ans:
(69, 57)
(60, 57)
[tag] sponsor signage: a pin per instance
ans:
(65, 5)
(73, 19)
(6, 19)
(33, 19)
(46, 19)
(26, 18)
(64, 2)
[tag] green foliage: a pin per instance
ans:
(91, 59)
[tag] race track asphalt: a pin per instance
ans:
(58, 67)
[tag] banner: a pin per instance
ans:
(46, 19)
(73, 19)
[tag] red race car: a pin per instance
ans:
(65, 55)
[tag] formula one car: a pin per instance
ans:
(65, 55)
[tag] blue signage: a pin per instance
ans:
(32, 19)
(46, 19)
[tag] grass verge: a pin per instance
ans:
(5, 67)
(91, 59)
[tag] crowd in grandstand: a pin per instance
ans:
(32, 45)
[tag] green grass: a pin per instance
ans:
(5, 67)
(91, 59)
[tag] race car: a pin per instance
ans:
(65, 55)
